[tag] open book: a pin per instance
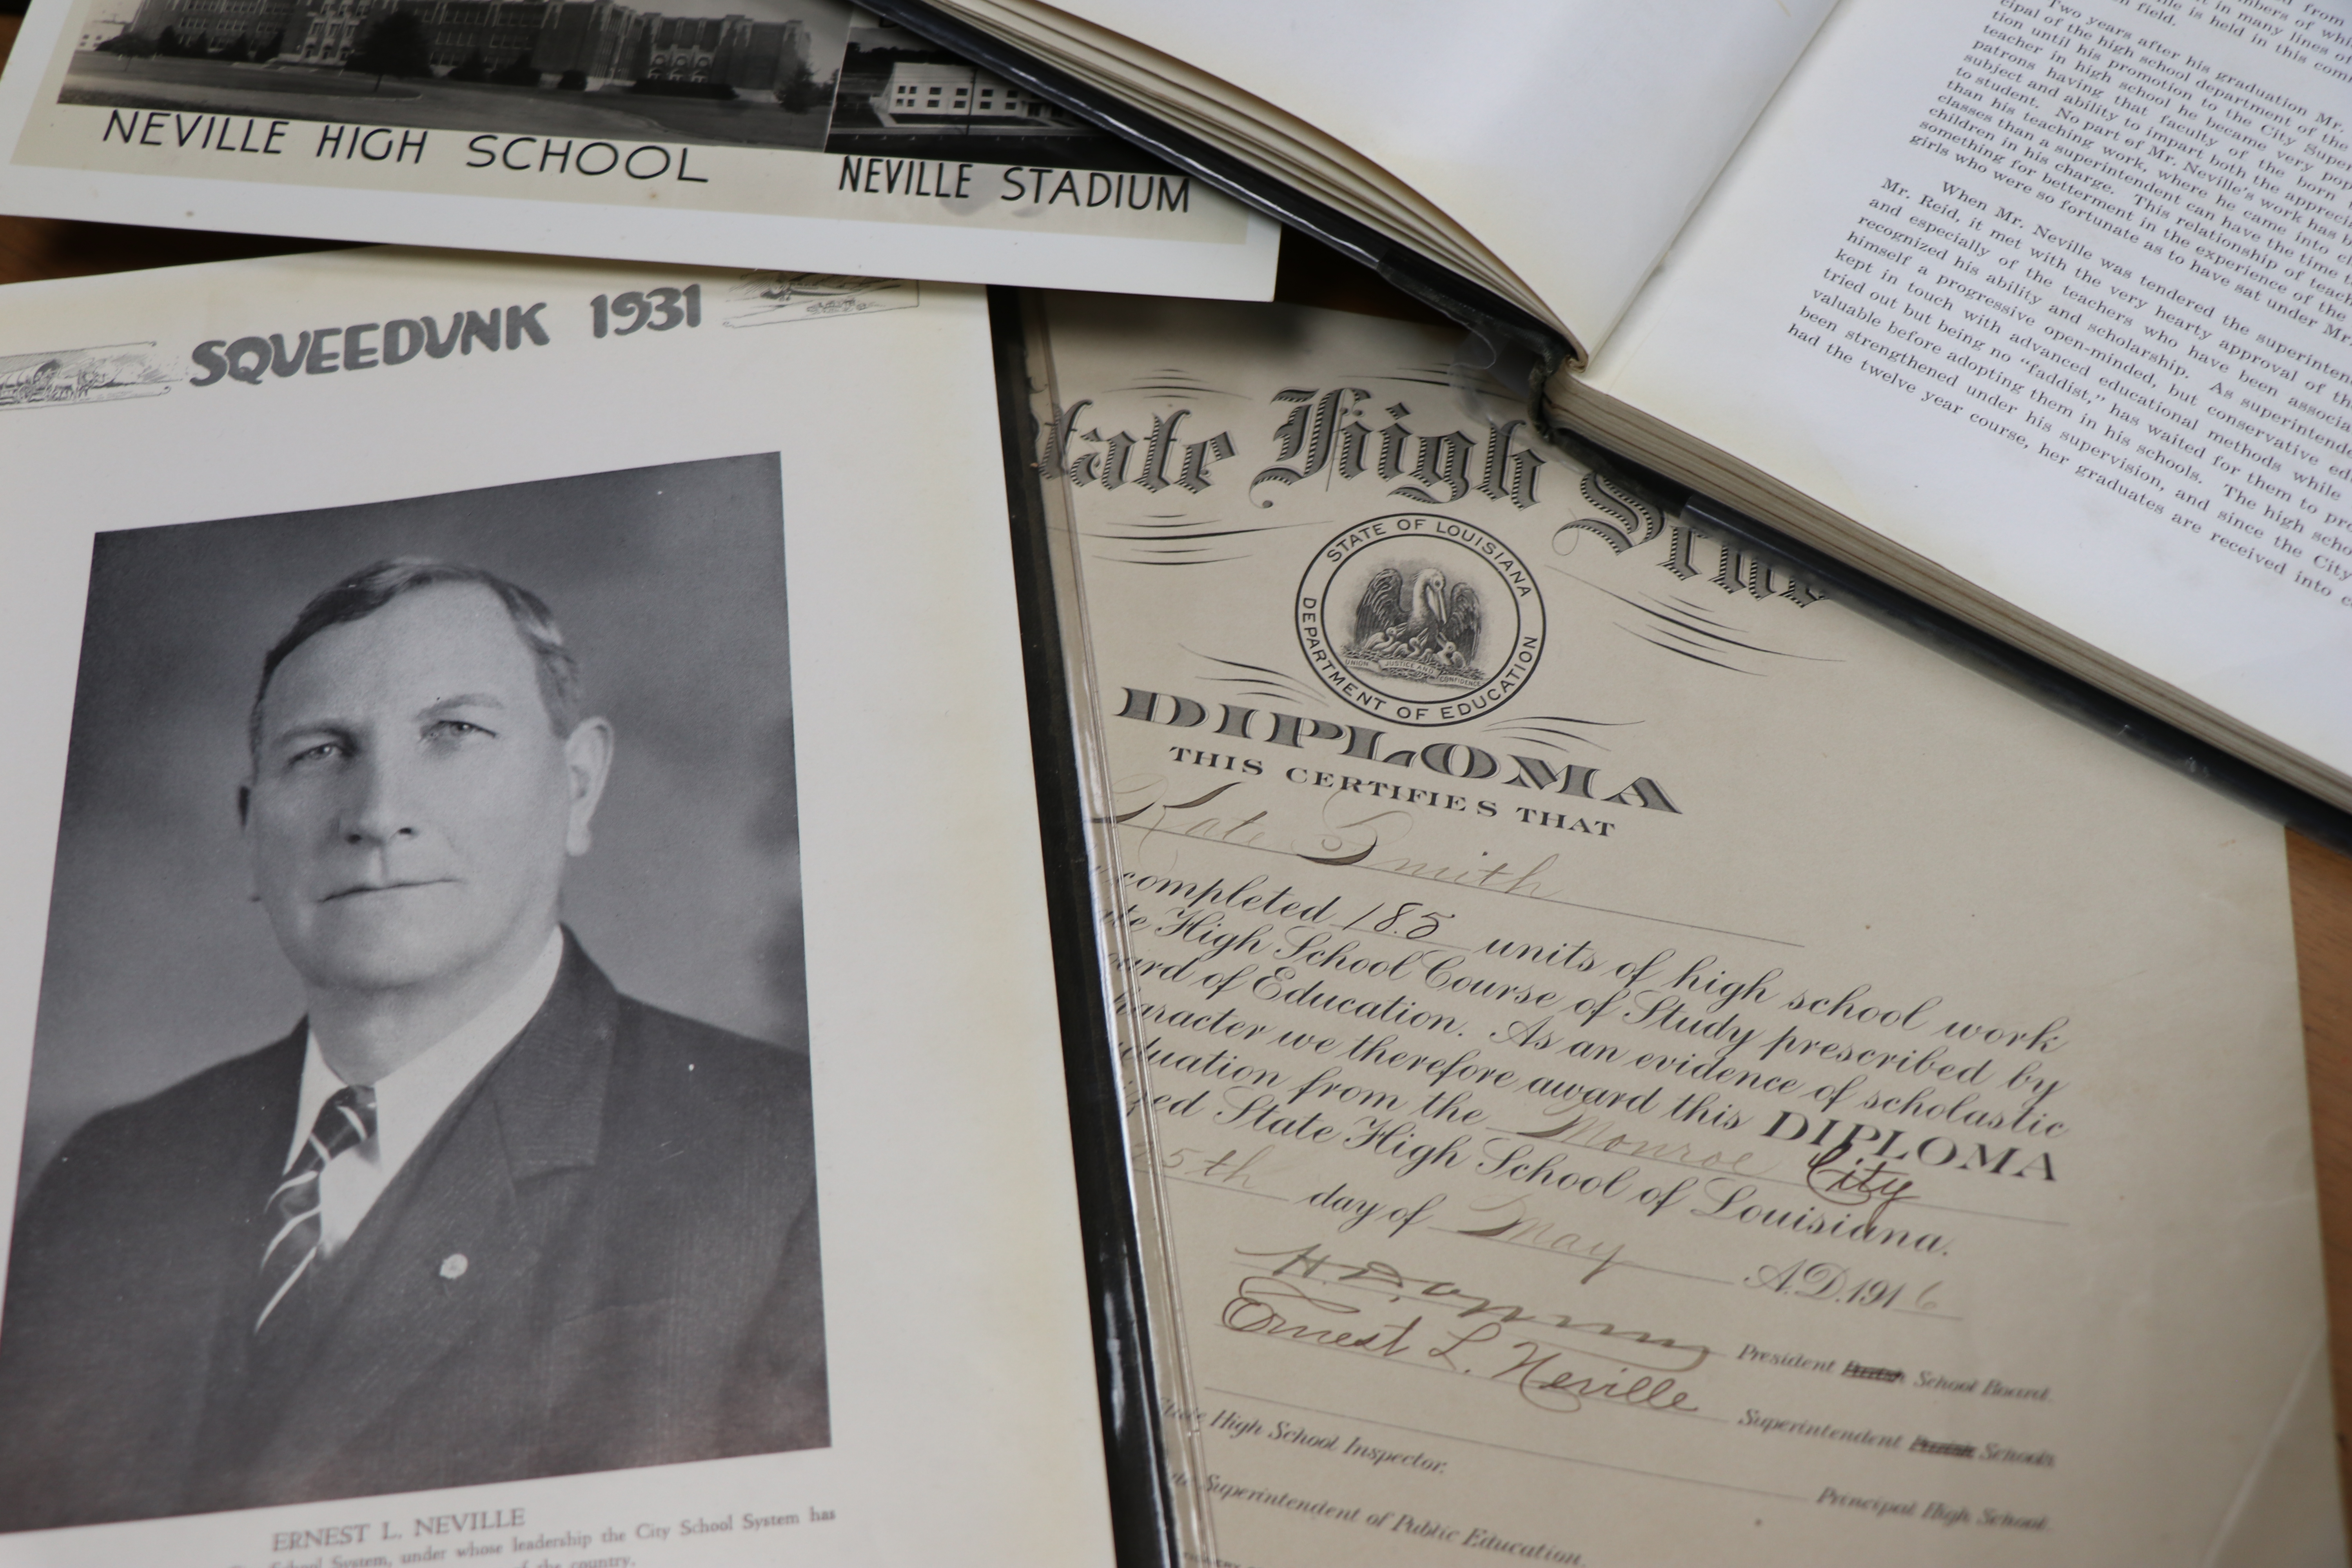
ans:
(2037, 310)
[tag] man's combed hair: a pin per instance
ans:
(370, 588)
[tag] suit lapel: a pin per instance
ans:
(455, 1241)
(257, 1121)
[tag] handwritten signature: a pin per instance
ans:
(1628, 1346)
(1282, 1307)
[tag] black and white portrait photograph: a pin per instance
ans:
(420, 1086)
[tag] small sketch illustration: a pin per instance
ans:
(763, 298)
(1426, 631)
(61, 376)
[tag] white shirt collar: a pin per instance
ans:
(412, 1099)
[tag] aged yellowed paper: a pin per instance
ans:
(799, 133)
(743, 1232)
(2084, 384)
(1638, 1061)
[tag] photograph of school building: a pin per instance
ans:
(603, 41)
(760, 74)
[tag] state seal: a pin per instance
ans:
(1421, 619)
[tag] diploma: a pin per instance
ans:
(1632, 1058)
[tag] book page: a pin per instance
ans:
(796, 134)
(376, 618)
(1571, 140)
(2054, 296)
(1641, 1063)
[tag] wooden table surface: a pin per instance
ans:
(2321, 880)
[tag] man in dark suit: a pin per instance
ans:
(480, 1216)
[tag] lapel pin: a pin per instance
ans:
(454, 1266)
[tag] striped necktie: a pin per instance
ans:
(291, 1216)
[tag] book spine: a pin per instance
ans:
(1439, 286)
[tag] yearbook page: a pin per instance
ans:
(512, 1054)
(2052, 300)
(1635, 1061)
(799, 133)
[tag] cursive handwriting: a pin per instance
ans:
(1853, 1186)
(1601, 1137)
(1628, 1346)
(1523, 1229)
(1281, 1307)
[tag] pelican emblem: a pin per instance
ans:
(1417, 618)
(1428, 632)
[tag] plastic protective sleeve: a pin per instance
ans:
(1142, 1516)
(2143, 732)
(2173, 747)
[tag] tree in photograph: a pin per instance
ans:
(473, 68)
(274, 47)
(517, 72)
(797, 92)
(168, 45)
(573, 80)
(395, 43)
(236, 51)
(129, 45)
